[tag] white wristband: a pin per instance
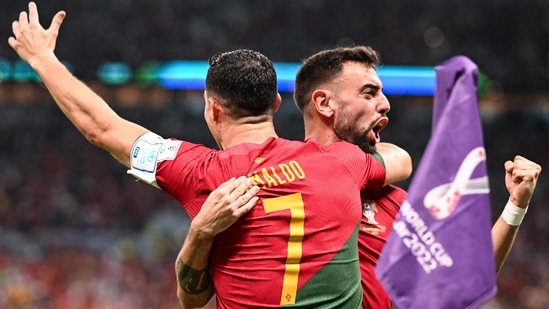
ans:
(513, 214)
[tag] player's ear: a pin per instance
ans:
(277, 103)
(216, 109)
(211, 108)
(321, 102)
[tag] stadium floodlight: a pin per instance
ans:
(397, 80)
(191, 74)
(114, 73)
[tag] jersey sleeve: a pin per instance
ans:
(177, 167)
(368, 172)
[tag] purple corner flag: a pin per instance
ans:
(439, 253)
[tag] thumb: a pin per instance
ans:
(56, 21)
(508, 166)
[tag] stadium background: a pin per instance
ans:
(77, 232)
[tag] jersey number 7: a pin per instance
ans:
(294, 202)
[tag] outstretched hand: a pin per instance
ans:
(31, 41)
(521, 176)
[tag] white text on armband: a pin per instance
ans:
(147, 151)
(150, 149)
(421, 241)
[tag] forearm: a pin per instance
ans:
(503, 238)
(504, 231)
(194, 284)
(86, 110)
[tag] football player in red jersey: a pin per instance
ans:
(333, 89)
(299, 245)
(344, 105)
(334, 83)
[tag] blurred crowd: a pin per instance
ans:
(71, 278)
(78, 232)
(507, 39)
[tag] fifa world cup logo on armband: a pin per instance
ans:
(442, 200)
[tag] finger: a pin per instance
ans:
(508, 165)
(16, 28)
(23, 18)
(33, 13)
(57, 21)
(525, 174)
(247, 196)
(12, 41)
(527, 166)
(229, 187)
(246, 207)
(522, 161)
(242, 187)
(224, 189)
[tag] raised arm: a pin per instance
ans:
(86, 110)
(521, 176)
(398, 163)
(226, 204)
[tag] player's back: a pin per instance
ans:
(299, 244)
(379, 210)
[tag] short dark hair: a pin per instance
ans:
(244, 81)
(326, 65)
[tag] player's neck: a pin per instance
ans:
(256, 133)
(322, 133)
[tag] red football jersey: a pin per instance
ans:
(379, 212)
(299, 244)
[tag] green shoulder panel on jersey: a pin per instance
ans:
(378, 157)
(336, 285)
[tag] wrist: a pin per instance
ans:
(43, 62)
(512, 214)
(200, 232)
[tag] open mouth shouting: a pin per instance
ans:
(379, 125)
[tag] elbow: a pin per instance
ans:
(404, 164)
(407, 166)
(185, 303)
(397, 160)
(188, 301)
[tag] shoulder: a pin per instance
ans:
(344, 146)
(346, 151)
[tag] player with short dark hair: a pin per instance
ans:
(345, 79)
(299, 245)
(335, 83)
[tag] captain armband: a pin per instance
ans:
(147, 151)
